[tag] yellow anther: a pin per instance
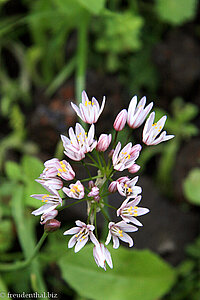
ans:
(46, 200)
(129, 156)
(89, 102)
(43, 197)
(125, 185)
(76, 235)
(58, 174)
(119, 231)
(121, 235)
(92, 103)
(129, 190)
(73, 191)
(125, 153)
(135, 214)
(135, 207)
(154, 124)
(60, 170)
(86, 103)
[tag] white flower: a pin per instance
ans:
(80, 235)
(51, 202)
(54, 167)
(75, 191)
(51, 184)
(129, 210)
(48, 216)
(137, 113)
(152, 130)
(101, 256)
(128, 188)
(79, 142)
(89, 111)
(125, 158)
(118, 231)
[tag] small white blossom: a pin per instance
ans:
(80, 235)
(129, 210)
(75, 191)
(79, 142)
(118, 231)
(89, 111)
(137, 113)
(101, 256)
(152, 131)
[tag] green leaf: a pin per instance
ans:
(13, 171)
(136, 275)
(191, 186)
(32, 167)
(3, 289)
(6, 235)
(120, 33)
(176, 12)
(93, 6)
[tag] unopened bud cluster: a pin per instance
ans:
(109, 156)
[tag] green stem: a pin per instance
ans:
(94, 161)
(106, 204)
(105, 215)
(22, 264)
(71, 204)
(94, 177)
(87, 169)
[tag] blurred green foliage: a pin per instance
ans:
(62, 38)
(188, 279)
(191, 186)
(176, 12)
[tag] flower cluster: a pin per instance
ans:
(84, 148)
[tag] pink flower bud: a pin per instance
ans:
(123, 179)
(113, 187)
(120, 120)
(91, 184)
(104, 142)
(94, 193)
(51, 225)
(134, 168)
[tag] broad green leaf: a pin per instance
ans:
(191, 186)
(13, 171)
(136, 275)
(176, 12)
(93, 6)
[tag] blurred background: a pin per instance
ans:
(50, 50)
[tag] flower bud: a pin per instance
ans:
(120, 120)
(51, 225)
(113, 187)
(104, 142)
(134, 168)
(94, 193)
(91, 184)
